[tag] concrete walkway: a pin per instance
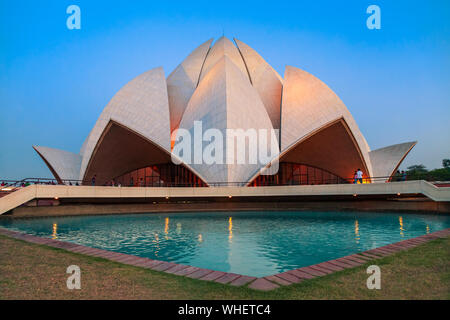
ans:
(414, 188)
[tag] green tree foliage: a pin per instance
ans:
(417, 172)
(446, 163)
(417, 168)
(420, 172)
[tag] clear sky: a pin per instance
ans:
(54, 82)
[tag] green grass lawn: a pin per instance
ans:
(30, 271)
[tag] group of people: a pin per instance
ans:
(24, 184)
(400, 176)
(113, 182)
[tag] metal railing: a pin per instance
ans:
(7, 185)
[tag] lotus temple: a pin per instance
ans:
(225, 85)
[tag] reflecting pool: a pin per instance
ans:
(249, 243)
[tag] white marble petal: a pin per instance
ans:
(224, 100)
(223, 47)
(182, 82)
(266, 81)
(385, 161)
(65, 164)
(142, 106)
(308, 104)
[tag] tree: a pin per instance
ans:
(420, 172)
(417, 168)
(442, 174)
(417, 172)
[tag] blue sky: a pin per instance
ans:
(54, 82)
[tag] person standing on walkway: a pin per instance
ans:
(355, 178)
(93, 180)
(359, 176)
(403, 175)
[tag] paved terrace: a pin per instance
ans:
(413, 188)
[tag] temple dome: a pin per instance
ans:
(224, 85)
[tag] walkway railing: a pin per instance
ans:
(7, 186)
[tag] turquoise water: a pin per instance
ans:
(250, 243)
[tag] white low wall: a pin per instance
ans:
(31, 192)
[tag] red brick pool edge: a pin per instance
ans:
(263, 283)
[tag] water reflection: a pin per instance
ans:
(400, 220)
(230, 229)
(357, 238)
(166, 228)
(54, 231)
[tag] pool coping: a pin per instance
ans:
(258, 283)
